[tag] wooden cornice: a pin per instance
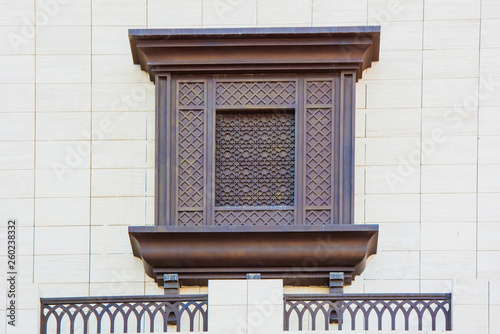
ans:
(255, 50)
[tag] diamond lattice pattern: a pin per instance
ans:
(319, 92)
(191, 146)
(319, 157)
(257, 93)
(264, 217)
(190, 218)
(191, 94)
(318, 217)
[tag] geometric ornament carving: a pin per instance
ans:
(254, 217)
(256, 93)
(191, 145)
(255, 158)
(191, 153)
(319, 153)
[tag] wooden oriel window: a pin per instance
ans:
(254, 152)
(259, 150)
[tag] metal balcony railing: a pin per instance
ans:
(367, 312)
(146, 314)
(124, 314)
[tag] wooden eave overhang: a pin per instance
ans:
(255, 50)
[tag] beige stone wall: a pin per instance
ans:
(77, 130)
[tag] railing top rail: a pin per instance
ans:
(110, 299)
(367, 296)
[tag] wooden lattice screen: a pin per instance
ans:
(259, 151)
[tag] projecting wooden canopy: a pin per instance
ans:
(255, 50)
(212, 219)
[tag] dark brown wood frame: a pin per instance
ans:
(333, 53)
(342, 203)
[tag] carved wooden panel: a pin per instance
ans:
(191, 142)
(319, 92)
(318, 217)
(319, 152)
(255, 93)
(255, 158)
(236, 148)
(254, 217)
(190, 218)
(318, 156)
(191, 153)
(191, 94)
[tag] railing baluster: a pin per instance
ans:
(58, 330)
(340, 313)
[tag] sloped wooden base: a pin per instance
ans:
(301, 255)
